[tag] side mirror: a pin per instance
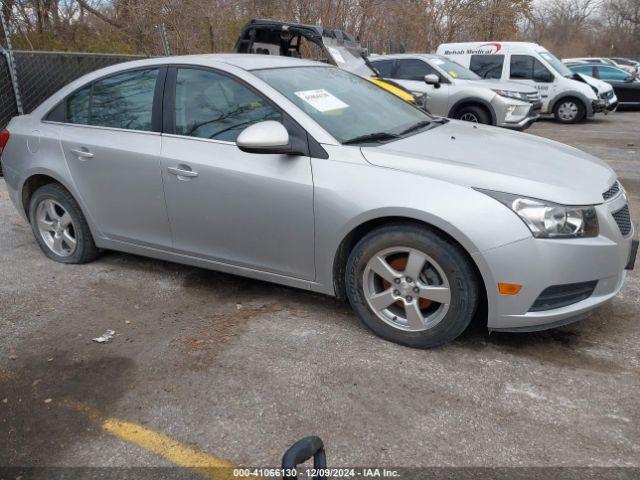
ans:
(432, 79)
(629, 79)
(265, 137)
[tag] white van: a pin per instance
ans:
(567, 96)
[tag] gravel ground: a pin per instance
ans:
(240, 368)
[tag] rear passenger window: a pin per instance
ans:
(487, 66)
(215, 106)
(124, 100)
(78, 106)
(384, 67)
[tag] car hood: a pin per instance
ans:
(594, 82)
(491, 158)
(496, 84)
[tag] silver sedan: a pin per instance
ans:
(299, 173)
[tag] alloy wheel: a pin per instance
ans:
(56, 228)
(406, 289)
(469, 117)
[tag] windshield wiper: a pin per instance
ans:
(416, 126)
(425, 123)
(371, 137)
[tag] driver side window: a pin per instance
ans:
(215, 106)
(412, 69)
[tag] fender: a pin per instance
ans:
(482, 102)
(95, 231)
(572, 93)
(387, 214)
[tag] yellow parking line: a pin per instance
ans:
(181, 454)
(176, 452)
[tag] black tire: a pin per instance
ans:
(457, 266)
(579, 108)
(86, 249)
(466, 112)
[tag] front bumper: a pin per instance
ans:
(610, 102)
(599, 105)
(605, 104)
(516, 115)
(541, 263)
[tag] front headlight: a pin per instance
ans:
(550, 220)
(511, 94)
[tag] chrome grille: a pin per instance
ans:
(623, 219)
(612, 192)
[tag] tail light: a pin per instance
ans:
(4, 139)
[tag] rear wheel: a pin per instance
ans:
(60, 227)
(474, 114)
(411, 285)
(569, 110)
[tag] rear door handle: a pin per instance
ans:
(82, 153)
(182, 171)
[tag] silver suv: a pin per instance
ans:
(456, 92)
(285, 170)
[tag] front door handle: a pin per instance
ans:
(182, 171)
(82, 153)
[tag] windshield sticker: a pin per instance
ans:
(321, 100)
(453, 74)
(337, 56)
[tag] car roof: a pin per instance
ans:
(488, 42)
(245, 61)
(406, 55)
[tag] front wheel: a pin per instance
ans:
(473, 114)
(411, 285)
(569, 110)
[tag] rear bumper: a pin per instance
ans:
(538, 264)
(11, 179)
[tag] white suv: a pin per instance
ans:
(456, 92)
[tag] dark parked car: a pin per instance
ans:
(625, 85)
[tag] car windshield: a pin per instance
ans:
(344, 104)
(556, 64)
(454, 70)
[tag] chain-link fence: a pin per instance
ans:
(8, 105)
(40, 74)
